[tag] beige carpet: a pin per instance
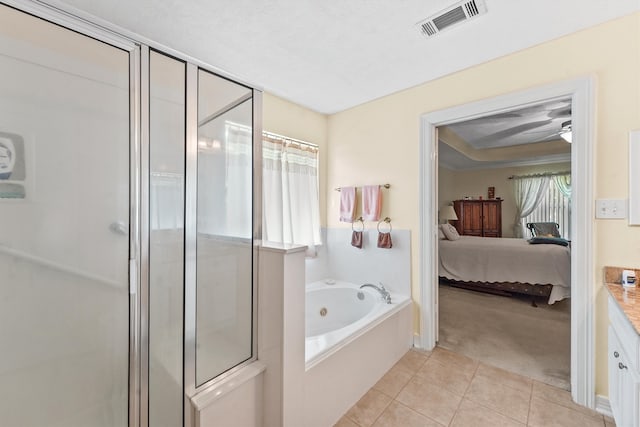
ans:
(509, 333)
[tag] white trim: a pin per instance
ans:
(603, 406)
(580, 91)
(634, 177)
(417, 341)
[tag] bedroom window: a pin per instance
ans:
(555, 205)
(291, 200)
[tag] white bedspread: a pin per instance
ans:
(487, 259)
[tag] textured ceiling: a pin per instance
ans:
(538, 123)
(525, 136)
(332, 55)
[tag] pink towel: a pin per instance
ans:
(371, 202)
(347, 204)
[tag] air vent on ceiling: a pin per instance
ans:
(454, 14)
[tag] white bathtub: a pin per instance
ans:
(338, 313)
(349, 348)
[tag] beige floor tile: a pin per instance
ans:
(398, 415)
(394, 380)
(345, 422)
(413, 360)
(497, 396)
(429, 399)
(560, 397)
(518, 382)
(446, 375)
(369, 408)
(471, 414)
(462, 363)
(548, 414)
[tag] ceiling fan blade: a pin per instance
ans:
(564, 112)
(512, 131)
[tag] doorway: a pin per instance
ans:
(582, 316)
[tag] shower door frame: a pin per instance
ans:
(138, 49)
(138, 268)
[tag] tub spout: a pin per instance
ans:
(386, 296)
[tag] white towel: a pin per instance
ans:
(371, 202)
(347, 204)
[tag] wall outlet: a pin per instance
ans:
(611, 208)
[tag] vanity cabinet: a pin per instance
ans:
(481, 218)
(623, 358)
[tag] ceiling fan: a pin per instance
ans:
(565, 132)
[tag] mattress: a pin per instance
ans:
(487, 259)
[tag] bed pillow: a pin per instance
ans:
(450, 232)
(441, 235)
(549, 240)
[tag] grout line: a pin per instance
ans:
(393, 398)
(475, 371)
(383, 410)
(419, 413)
(494, 409)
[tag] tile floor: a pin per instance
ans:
(442, 388)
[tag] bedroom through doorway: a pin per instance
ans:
(504, 184)
(581, 92)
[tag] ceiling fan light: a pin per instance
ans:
(565, 132)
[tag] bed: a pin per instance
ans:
(507, 265)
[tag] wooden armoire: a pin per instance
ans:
(478, 217)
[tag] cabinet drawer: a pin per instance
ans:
(629, 339)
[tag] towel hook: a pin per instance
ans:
(388, 221)
(361, 222)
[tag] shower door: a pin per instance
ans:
(64, 226)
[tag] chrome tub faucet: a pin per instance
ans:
(386, 296)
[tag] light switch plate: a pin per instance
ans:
(611, 208)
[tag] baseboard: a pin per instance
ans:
(603, 406)
(417, 341)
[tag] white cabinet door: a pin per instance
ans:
(624, 384)
(615, 380)
(629, 396)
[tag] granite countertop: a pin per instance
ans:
(628, 299)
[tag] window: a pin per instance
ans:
(291, 202)
(555, 205)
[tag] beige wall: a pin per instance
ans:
(289, 119)
(453, 185)
(378, 141)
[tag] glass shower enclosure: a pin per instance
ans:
(128, 207)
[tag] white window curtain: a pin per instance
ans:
(291, 203)
(563, 184)
(554, 207)
(529, 191)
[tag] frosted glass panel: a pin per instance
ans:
(64, 239)
(166, 246)
(224, 227)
